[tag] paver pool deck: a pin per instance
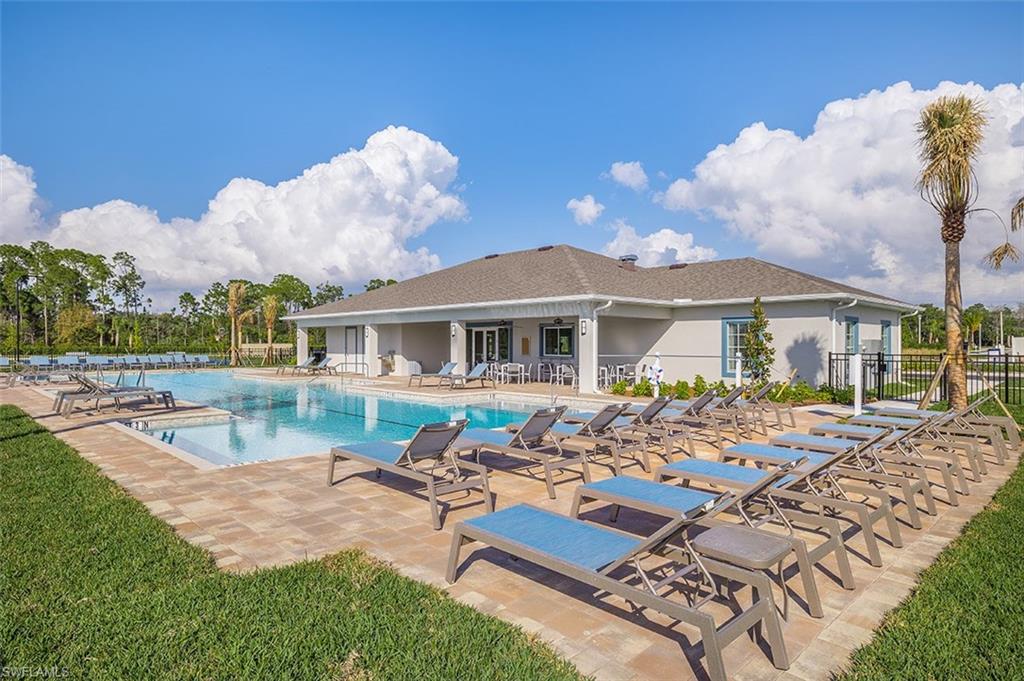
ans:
(278, 512)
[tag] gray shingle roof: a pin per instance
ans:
(557, 271)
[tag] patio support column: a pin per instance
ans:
(586, 341)
(371, 349)
(301, 344)
(457, 331)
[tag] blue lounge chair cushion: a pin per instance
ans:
(385, 452)
(866, 431)
(897, 411)
(491, 437)
(889, 420)
(815, 440)
(724, 471)
(679, 499)
(588, 546)
(784, 453)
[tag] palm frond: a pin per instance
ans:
(950, 133)
(1017, 215)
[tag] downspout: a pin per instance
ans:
(832, 326)
(597, 357)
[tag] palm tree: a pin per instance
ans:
(972, 320)
(271, 307)
(950, 133)
(238, 317)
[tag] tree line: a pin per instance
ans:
(68, 299)
(982, 326)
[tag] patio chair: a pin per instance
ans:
(694, 417)
(913, 447)
(294, 369)
(968, 417)
(427, 458)
(612, 563)
(37, 368)
(943, 427)
(312, 367)
(601, 434)
(479, 373)
(863, 467)
(97, 392)
(446, 369)
(741, 544)
(534, 442)
(812, 484)
(158, 361)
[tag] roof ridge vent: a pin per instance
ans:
(491, 256)
(678, 265)
(545, 248)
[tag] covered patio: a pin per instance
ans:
(581, 343)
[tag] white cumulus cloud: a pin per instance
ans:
(19, 204)
(586, 210)
(842, 200)
(346, 220)
(664, 247)
(629, 174)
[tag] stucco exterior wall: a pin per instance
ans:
(688, 338)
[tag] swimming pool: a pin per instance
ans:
(274, 420)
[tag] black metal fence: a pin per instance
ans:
(907, 377)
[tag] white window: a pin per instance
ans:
(734, 341)
(558, 341)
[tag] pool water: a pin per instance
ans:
(274, 420)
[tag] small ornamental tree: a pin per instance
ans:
(758, 353)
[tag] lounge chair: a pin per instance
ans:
(427, 458)
(294, 369)
(534, 441)
(600, 433)
(742, 544)
(312, 368)
(969, 417)
(612, 562)
(912, 447)
(36, 368)
(446, 370)
(943, 427)
(158, 361)
(694, 417)
(478, 373)
(811, 484)
(97, 392)
(865, 467)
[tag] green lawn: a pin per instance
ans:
(93, 584)
(965, 620)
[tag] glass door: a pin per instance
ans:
(490, 345)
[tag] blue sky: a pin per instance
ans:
(161, 105)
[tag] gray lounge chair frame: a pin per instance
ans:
(446, 369)
(67, 402)
(814, 485)
(478, 373)
(732, 545)
(643, 593)
(533, 442)
(431, 444)
(600, 433)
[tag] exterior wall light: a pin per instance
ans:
(454, 329)
(583, 327)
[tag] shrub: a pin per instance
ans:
(700, 386)
(619, 388)
(682, 390)
(720, 388)
(643, 388)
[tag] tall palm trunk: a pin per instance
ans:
(956, 371)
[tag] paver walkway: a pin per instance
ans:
(282, 511)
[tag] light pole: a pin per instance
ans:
(17, 316)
